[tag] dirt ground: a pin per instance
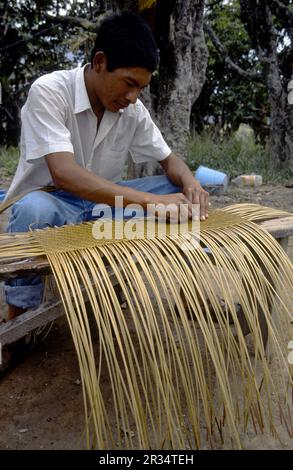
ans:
(41, 399)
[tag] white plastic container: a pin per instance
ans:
(248, 180)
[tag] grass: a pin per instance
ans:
(9, 157)
(234, 155)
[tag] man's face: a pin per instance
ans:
(116, 90)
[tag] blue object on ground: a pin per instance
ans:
(207, 176)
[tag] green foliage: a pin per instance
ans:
(9, 157)
(226, 97)
(31, 44)
(233, 155)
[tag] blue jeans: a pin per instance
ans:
(40, 209)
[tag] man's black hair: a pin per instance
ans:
(126, 41)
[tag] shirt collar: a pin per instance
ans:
(81, 99)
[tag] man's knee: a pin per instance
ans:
(37, 209)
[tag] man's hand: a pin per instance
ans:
(179, 173)
(197, 195)
(172, 207)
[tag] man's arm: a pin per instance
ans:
(69, 176)
(179, 173)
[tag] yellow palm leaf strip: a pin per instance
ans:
(61, 281)
(167, 285)
(77, 318)
(278, 282)
(137, 289)
(107, 310)
(266, 250)
(211, 339)
(229, 241)
(202, 263)
(189, 337)
(248, 376)
(147, 248)
(264, 262)
(272, 257)
(80, 267)
(105, 332)
(85, 337)
(211, 281)
(100, 303)
(122, 336)
(225, 258)
(278, 268)
(125, 275)
(202, 315)
(135, 276)
(241, 278)
(121, 319)
(189, 363)
(19, 246)
(220, 255)
(255, 212)
(280, 261)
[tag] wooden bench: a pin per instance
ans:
(281, 229)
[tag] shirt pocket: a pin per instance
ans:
(115, 154)
(118, 148)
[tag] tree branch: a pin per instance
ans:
(211, 5)
(223, 52)
(285, 15)
(75, 21)
(284, 7)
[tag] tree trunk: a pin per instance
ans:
(259, 23)
(183, 61)
(178, 28)
(281, 119)
(138, 170)
(281, 136)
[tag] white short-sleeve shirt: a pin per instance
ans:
(57, 117)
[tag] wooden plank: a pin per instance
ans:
(284, 242)
(279, 228)
(40, 316)
(29, 321)
(37, 265)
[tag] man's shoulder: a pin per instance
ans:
(59, 80)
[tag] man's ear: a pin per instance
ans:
(100, 62)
